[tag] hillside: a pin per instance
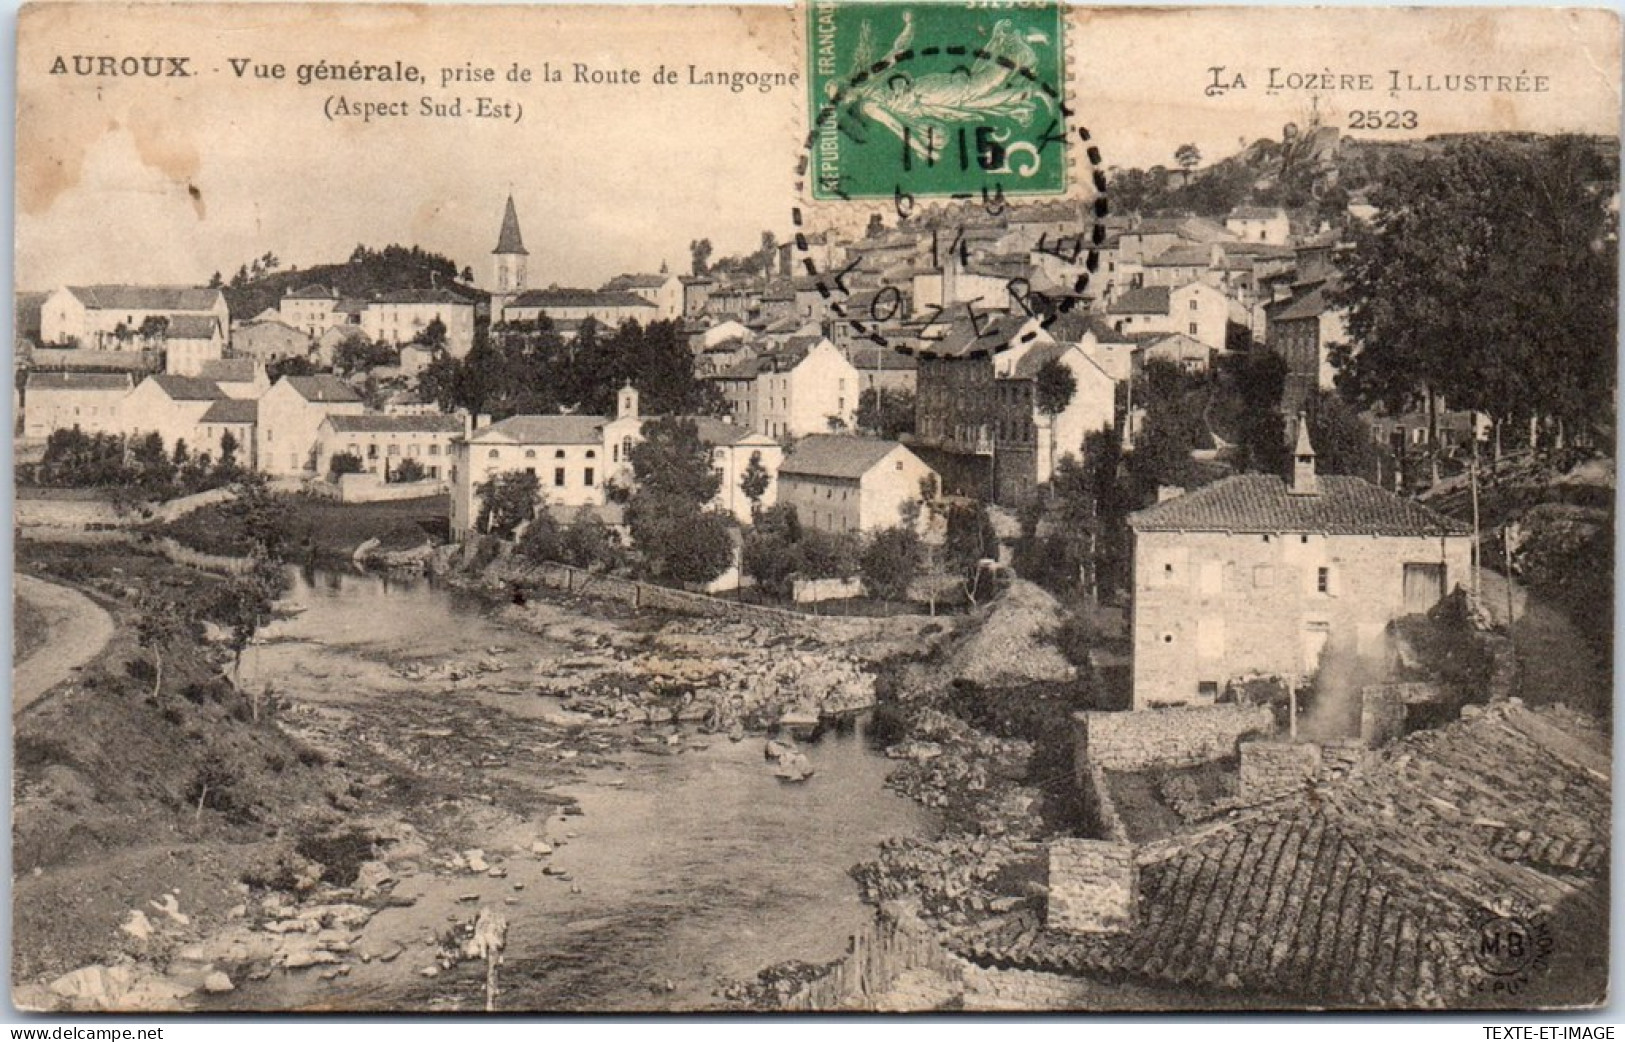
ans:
(366, 274)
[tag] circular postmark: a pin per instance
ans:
(977, 127)
(1510, 949)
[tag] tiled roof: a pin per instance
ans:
(968, 339)
(836, 456)
(438, 295)
(1256, 213)
(147, 298)
(1193, 255)
(881, 359)
(350, 306)
(372, 423)
(324, 387)
(578, 298)
(233, 410)
(188, 388)
(1142, 300)
(544, 430)
(59, 381)
(1073, 325)
(1048, 213)
(717, 432)
(314, 291)
(230, 370)
(1311, 304)
(192, 327)
(636, 282)
(1263, 503)
(1369, 890)
(509, 240)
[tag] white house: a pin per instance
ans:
(1093, 406)
(842, 483)
(269, 340)
(309, 310)
(237, 377)
(1196, 309)
(236, 417)
(799, 393)
(606, 307)
(1266, 224)
(665, 291)
(566, 453)
(95, 316)
(382, 443)
(402, 316)
(291, 414)
(190, 341)
(93, 402)
(171, 405)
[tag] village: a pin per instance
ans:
(1234, 657)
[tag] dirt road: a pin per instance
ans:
(76, 631)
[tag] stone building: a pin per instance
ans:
(1254, 575)
(840, 483)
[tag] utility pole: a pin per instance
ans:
(1477, 561)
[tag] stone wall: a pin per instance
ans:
(992, 990)
(1178, 737)
(896, 943)
(1276, 768)
(1098, 802)
(1093, 886)
(811, 591)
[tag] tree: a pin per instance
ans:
(158, 625)
(507, 500)
(587, 542)
(293, 365)
(699, 251)
(1508, 310)
(679, 543)
(1054, 387)
(408, 470)
(433, 335)
(1342, 440)
(342, 463)
(673, 462)
(215, 281)
(1189, 157)
(266, 517)
(890, 562)
(754, 483)
(243, 604)
(227, 468)
(885, 413)
(970, 539)
(541, 542)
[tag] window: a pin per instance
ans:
(492, 454)
(1193, 329)
(558, 453)
(394, 450)
(531, 471)
(1323, 580)
(434, 449)
(530, 453)
(587, 477)
(1207, 690)
(591, 454)
(558, 477)
(372, 451)
(1193, 303)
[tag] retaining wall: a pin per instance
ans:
(1136, 740)
(1093, 886)
(895, 944)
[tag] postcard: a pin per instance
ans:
(858, 506)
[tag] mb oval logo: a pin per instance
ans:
(1507, 946)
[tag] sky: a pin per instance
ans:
(170, 179)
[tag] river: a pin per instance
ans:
(683, 869)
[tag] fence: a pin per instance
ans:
(894, 944)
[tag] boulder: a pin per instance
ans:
(372, 876)
(218, 983)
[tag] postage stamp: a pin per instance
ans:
(935, 100)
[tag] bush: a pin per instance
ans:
(890, 562)
(589, 543)
(407, 471)
(541, 541)
(343, 463)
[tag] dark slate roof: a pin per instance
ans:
(350, 306)
(192, 327)
(578, 298)
(509, 240)
(878, 359)
(233, 410)
(545, 430)
(188, 388)
(1263, 503)
(67, 381)
(836, 456)
(718, 432)
(147, 298)
(323, 387)
(636, 282)
(372, 423)
(1142, 300)
(1192, 255)
(230, 370)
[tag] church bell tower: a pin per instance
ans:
(509, 262)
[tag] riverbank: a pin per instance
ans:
(440, 771)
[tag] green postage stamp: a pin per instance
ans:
(936, 99)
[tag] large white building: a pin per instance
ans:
(111, 317)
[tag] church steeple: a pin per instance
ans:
(509, 262)
(1305, 482)
(509, 240)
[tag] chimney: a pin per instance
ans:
(1304, 481)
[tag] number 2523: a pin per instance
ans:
(1392, 119)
